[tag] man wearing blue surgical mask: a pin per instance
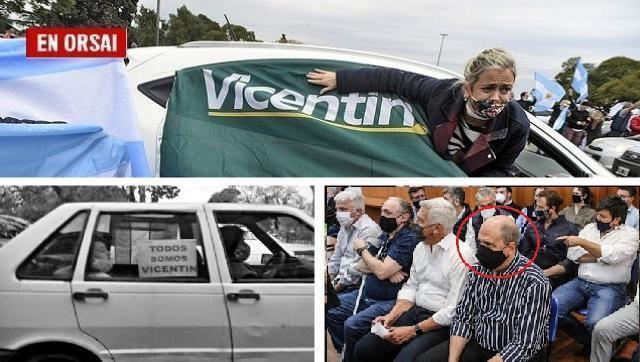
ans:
(605, 251)
(488, 325)
(354, 224)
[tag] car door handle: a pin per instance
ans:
(243, 295)
(91, 293)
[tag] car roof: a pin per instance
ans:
(208, 52)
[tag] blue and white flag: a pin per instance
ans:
(579, 83)
(28, 150)
(84, 92)
(562, 117)
(546, 91)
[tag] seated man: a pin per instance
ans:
(237, 252)
(455, 196)
(392, 255)
(605, 251)
(552, 255)
(485, 196)
(622, 323)
(99, 265)
(503, 318)
(354, 224)
(426, 303)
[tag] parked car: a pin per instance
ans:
(154, 282)
(628, 165)
(151, 72)
(607, 149)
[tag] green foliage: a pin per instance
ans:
(8, 9)
(240, 33)
(81, 12)
(144, 30)
(615, 79)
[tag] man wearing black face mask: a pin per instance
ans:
(416, 194)
(499, 319)
(485, 196)
(394, 254)
(605, 251)
(552, 255)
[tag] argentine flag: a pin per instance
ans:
(579, 83)
(546, 91)
(96, 133)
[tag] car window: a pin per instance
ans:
(266, 247)
(152, 247)
(157, 90)
(55, 257)
(541, 159)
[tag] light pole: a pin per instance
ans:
(158, 23)
(440, 51)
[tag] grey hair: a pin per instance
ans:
(494, 58)
(484, 192)
(440, 212)
(350, 195)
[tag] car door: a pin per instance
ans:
(145, 286)
(271, 304)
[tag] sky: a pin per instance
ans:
(540, 34)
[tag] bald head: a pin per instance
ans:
(500, 230)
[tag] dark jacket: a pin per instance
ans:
(492, 154)
(477, 220)
(552, 251)
(465, 213)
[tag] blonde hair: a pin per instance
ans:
(494, 58)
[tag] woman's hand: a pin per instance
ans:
(323, 78)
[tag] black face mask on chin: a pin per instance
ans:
(488, 258)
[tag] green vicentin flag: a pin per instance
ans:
(262, 118)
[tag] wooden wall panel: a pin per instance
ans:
(375, 196)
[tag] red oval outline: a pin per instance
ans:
(490, 276)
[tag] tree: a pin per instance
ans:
(626, 88)
(80, 12)
(184, 26)
(33, 202)
(8, 11)
(228, 195)
(154, 193)
(143, 31)
(240, 33)
(565, 77)
(275, 195)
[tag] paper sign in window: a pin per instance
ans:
(167, 258)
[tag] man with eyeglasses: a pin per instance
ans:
(628, 194)
(389, 258)
(426, 303)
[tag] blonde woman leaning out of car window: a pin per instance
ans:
(472, 121)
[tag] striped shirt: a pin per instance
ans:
(509, 316)
(463, 137)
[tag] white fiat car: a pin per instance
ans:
(151, 73)
(157, 282)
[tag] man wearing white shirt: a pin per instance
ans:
(605, 251)
(354, 224)
(628, 194)
(426, 303)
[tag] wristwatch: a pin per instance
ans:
(419, 331)
(360, 250)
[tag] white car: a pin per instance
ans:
(151, 73)
(154, 282)
(607, 149)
